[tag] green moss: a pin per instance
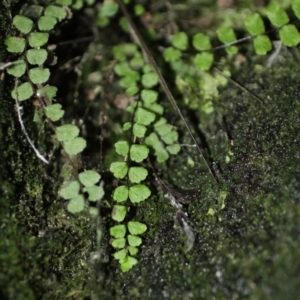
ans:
(248, 249)
(251, 247)
(44, 251)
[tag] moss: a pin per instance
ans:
(250, 248)
(44, 250)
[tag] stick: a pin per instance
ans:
(19, 109)
(163, 83)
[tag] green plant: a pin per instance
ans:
(254, 24)
(149, 131)
(202, 61)
(33, 33)
(202, 64)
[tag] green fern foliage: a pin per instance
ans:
(254, 24)
(148, 132)
(140, 81)
(33, 33)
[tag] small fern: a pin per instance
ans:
(150, 132)
(34, 27)
(147, 129)
(254, 24)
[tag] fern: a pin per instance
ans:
(33, 34)
(149, 130)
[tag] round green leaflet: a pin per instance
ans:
(204, 60)
(180, 40)
(38, 39)
(147, 69)
(128, 81)
(134, 240)
(160, 122)
(139, 130)
(153, 140)
(34, 11)
(135, 75)
(138, 152)
(66, 132)
(149, 96)
(296, 8)
(119, 53)
(46, 23)
(137, 174)
(173, 149)
(277, 16)
(23, 92)
(36, 56)
(136, 228)
(163, 129)
(89, 178)
(131, 107)
(17, 69)
(120, 194)
(23, 24)
(76, 204)
(75, 146)
(120, 255)
(47, 91)
(144, 116)
(119, 169)
(127, 126)
(161, 155)
(139, 10)
(117, 231)
(171, 54)
(122, 68)
(254, 24)
(128, 263)
(78, 4)
(70, 190)
(95, 192)
(119, 213)
(133, 250)
(130, 48)
(133, 90)
(262, 44)
(289, 35)
(54, 112)
(149, 80)
(39, 75)
(15, 44)
(109, 9)
(201, 42)
(138, 193)
(56, 12)
(227, 35)
(155, 107)
(119, 243)
(102, 21)
(122, 147)
(137, 62)
(170, 137)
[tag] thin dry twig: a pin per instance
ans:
(163, 83)
(19, 112)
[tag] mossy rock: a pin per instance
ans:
(250, 248)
